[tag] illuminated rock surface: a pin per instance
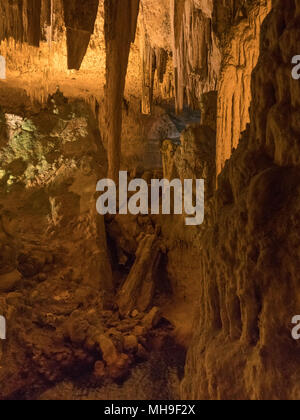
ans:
(106, 308)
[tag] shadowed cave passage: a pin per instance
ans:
(143, 306)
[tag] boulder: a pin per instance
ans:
(152, 319)
(9, 281)
(7, 258)
(120, 368)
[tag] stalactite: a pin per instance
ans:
(154, 67)
(195, 51)
(46, 19)
(120, 27)
(21, 21)
(155, 59)
(31, 20)
(11, 22)
(80, 19)
(148, 71)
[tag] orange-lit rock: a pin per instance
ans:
(107, 307)
(242, 347)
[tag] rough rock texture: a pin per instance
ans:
(154, 32)
(242, 347)
(193, 157)
(22, 20)
(80, 21)
(92, 298)
(120, 27)
(240, 39)
(138, 289)
(56, 285)
(195, 51)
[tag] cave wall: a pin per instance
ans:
(249, 281)
(239, 35)
(79, 20)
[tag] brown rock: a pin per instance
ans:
(108, 350)
(77, 330)
(127, 325)
(139, 331)
(130, 343)
(152, 319)
(120, 368)
(134, 313)
(42, 277)
(8, 282)
(117, 338)
(30, 265)
(13, 298)
(7, 258)
(99, 370)
(142, 352)
(138, 289)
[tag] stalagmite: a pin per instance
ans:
(137, 291)
(120, 27)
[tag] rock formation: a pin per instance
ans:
(79, 20)
(242, 347)
(240, 49)
(195, 50)
(120, 27)
(138, 289)
(182, 89)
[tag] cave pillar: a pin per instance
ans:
(120, 28)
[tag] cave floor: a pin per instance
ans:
(156, 379)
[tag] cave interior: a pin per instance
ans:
(141, 306)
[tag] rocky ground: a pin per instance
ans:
(59, 282)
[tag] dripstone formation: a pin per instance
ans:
(143, 306)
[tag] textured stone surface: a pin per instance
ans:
(196, 53)
(63, 271)
(240, 50)
(242, 347)
(120, 28)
